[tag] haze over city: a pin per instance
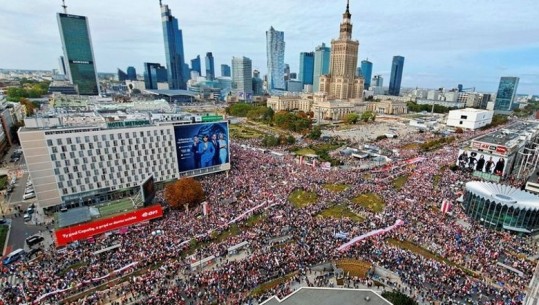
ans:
(445, 43)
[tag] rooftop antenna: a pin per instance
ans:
(65, 6)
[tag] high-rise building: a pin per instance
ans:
(275, 52)
(366, 70)
(505, 97)
(242, 81)
(225, 70)
(154, 73)
(342, 82)
(195, 65)
(78, 53)
(378, 81)
(306, 67)
(62, 65)
(396, 75)
(131, 73)
(210, 67)
(359, 72)
(258, 83)
(122, 76)
(173, 50)
(321, 64)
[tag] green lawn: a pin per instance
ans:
(370, 201)
(254, 220)
(305, 152)
(399, 182)
(354, 267)
(262, 288)
(301, 198)
(115, 207)
(3, 235)
(3, 182)
(336, 187)
(340, 211)
(436, 181)
(243, 132)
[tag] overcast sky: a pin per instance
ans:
(472, 42)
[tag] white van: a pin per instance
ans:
(28, 196)
(13, 256)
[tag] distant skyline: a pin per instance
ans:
(445, 43)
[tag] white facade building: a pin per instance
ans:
(469, 118)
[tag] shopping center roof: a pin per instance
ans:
(504, 194)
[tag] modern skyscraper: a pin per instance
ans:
(258, 83)
(62, 65)
(78, 53)
(131, 73)
(122, 76)
(210, 68)
(378, 80)
(396, 75)
(306, 67)
(242, 81)
(342, 82)
(358, 71)
(366, 70)
(195, 65)
(173, 50)
(154, 73)
(225, 70)
(275, 52)
(505, 97)
(321, 64)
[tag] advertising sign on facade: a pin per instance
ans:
(147, 187)
(499, 149)
(481, 162)
(202, 146)
(86, 230)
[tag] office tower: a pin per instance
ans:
(286, 72)
(366, 70)
(306, 67)
(210, 68)
(460, 87)
(505, 97)
(78, 53)
(173, 50)
(242, 81)
(131, 73)
(122, 76)
(62, 65)
(294, 86)
(359, 72)
(293, 75)
(154, 73)
(396, 75)
(378, 81)
(225, 70)
(195, 65)
(258, 83)
(321, 64)
(342, 82)
(275, 52)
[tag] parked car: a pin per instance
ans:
(13, 257)
(29, 190)
(9, 189)
(30, 210)
(34, 240)
(28, 196)
(27, 217)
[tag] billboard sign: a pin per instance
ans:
(86, 230)
(204, 145)
(499, 149)
(147, 189)
(481, 162)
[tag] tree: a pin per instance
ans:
(398, 298)
(459, 130)
(185, 192)
(290, 139)
(30, 107)
(351, 118)
(315, 133)
(367, 115)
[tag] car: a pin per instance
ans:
(27, 217)
(13, 257)
(28, 196)
(9, 189)
(34, 240)
(28, 190)
(30, 210)
(29, 183)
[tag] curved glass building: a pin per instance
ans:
(502, 207)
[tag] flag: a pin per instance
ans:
(314, 162)
(205, 208)
(300, 160)
(445, 206)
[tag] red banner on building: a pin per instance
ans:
(83, 231)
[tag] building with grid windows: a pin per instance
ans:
(502, 207)
(87, 158)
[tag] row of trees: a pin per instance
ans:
(434, 144)
(27, 89)
(414, 107)
(353, 118)
(271, 140)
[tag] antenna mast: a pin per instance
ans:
(64, 6)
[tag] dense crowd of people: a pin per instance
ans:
(465, 273)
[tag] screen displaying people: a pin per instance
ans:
(479, 161)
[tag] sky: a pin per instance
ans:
(445, 43)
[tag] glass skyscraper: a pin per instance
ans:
(173, 50)
(122, 76)
(225, 70)
(210, 67)
(321, 64)
(507, 91)
(275, 52)
(242, 81)
(195, 65)
(306, 67)
(396, 75)
(131, 73)
(366, 70)
(78, 53)
(154, 73)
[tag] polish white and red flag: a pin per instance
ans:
(205, 208)
(446, 205)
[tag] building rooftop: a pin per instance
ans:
(326, 296)
(504, 194)
(511, 135)
(170, 92)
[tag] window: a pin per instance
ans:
(463, 117)
(460, 122)
(49, 142)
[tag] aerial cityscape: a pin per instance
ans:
(177, 152)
